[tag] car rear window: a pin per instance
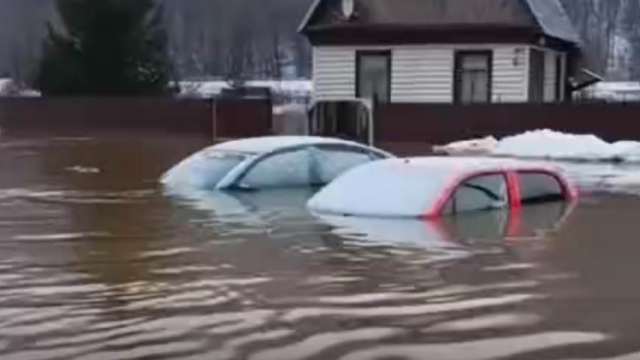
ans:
(539, 187)
(331, 162)
(286, 169)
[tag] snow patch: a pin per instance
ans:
(477, 146)
(556, 145)
(9, 87)
(294, 89)
(591, 162)
(549, 144)
(613, 91)
(281, 110)
(4, 85)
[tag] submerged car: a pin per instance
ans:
(270, 162)
(532, 222)
(437, 186)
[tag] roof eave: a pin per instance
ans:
(571, 35)
(307, 17)
(417, 27)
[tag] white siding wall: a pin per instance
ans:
(421, 73)
(510, 74)
(334, 72)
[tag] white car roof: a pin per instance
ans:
(197, 169)
(266, 144)
(405, 187)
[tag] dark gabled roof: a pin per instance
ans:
(553, 19)
(546, 16)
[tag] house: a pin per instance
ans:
(444, 51)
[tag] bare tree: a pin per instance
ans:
(256, 38)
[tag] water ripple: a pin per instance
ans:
(319, 343)
(108, 267)
(407, 310)
(482, 350)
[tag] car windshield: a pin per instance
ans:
(203, 170)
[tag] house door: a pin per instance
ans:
(473, 77)
(536, 76)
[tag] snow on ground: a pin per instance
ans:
(555, 145)
(603, 177)
(9, 87)
(290, 109)
(613, 91)
(468, 147)
(548, 144)
(590, 161)
(5, 84)
(207, 89)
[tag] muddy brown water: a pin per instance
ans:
(97, 262)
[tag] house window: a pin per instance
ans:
(473, 77)
(536, 76)
(374, 76)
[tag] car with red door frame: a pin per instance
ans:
(438, 186)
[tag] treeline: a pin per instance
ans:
(611, 34)
(258, 39)
(239, 38)
(22, 29)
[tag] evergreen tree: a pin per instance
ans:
(107, 47)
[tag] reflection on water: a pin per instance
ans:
(97, 262)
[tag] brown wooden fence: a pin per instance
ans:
(415, 127)
(242, 118)
(81, 116)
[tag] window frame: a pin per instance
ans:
(512, 195)
(567, 194)
(364, 53)
(570, 193)
(374, 155)
(459, 56)
(237, 182)
(537, 75)
(559, 75)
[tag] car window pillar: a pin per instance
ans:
(515, 194)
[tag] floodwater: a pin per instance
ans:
(96, 262)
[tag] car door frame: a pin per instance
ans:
(235, 178)
(512, 179)
(450, 190)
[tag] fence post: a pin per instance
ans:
(214, 119)
(372, 122)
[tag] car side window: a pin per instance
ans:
(483, 192)
(331, 162)
(287, 169)
(539, 187)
